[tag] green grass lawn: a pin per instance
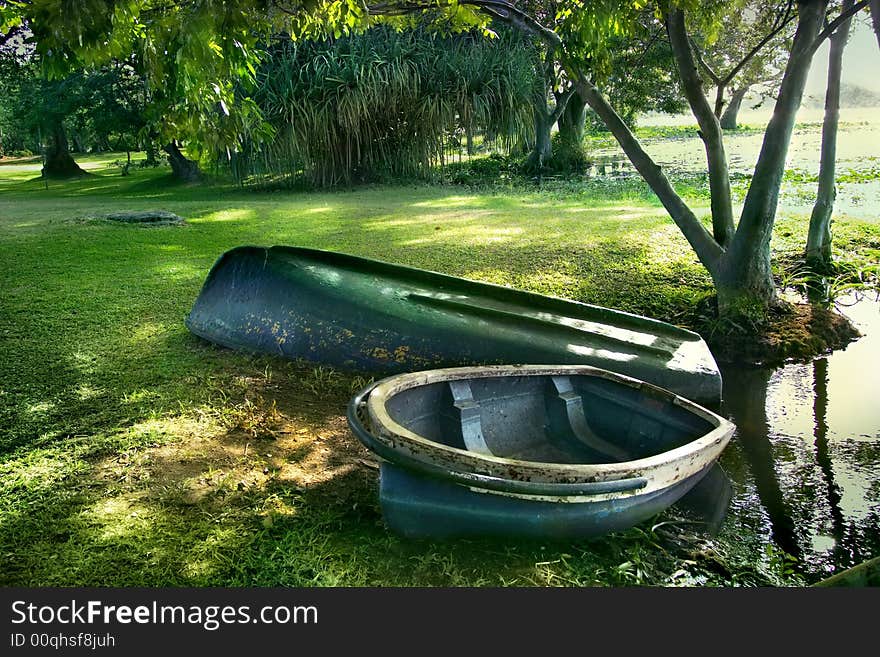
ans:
(135, 454)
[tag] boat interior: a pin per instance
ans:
(575, 419)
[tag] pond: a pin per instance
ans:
(805, 460)
(858, 160)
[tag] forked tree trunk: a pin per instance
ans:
(731, 112)
(59, 162)
(182, 168)
(546, 114)
(739, 262)
(744, 281)
(818, 251)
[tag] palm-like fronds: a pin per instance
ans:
(383, 104)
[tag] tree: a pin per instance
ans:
(749, 54)
(549, 102)
(113, 116)
(40, 108)
(58, 162)
(193, 55)
(736, 254)
(384, 103)
(818, 251)
(85, 110)
(551, 92)
(214, 41)
(15, 80)
(639, 73)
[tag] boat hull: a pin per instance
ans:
(864, 574)
(540, 451)
(367, 315)
(419, 506)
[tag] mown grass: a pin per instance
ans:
(134, 454)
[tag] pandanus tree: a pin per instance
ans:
(384, 103)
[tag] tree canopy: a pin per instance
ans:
(196, 53)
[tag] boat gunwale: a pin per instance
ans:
(694, 455)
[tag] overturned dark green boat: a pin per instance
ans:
(363, 314)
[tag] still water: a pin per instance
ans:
(805, 460)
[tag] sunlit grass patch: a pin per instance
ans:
(134, 453)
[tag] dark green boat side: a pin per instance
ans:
(864, 574)
(357, 313)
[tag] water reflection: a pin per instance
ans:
(745, 402)
(710, 499)
(805, 460)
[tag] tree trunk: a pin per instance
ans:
(744, 284)
(744, 281)
(741, 271)
(728, 118)
(818, 251)
(182, 168)
(542, 151)
(710, 128)
(568, 151)
(875, 18)
(59, 163)
(469, 140)
(573, 120)
(698, 237)
(78, 146)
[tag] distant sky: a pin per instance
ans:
(861, 61)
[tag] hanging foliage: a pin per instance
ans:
(384, 104)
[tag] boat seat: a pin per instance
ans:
(568, 422)
(467, 412)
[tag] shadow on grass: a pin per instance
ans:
(136, 454)
(260, 484)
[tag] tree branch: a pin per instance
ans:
(710, 128)
(783, 18)
(561, 102)
(833, 25)
(789, 16)
(759, 208)
(875, 18)
(499, 9)
(706, 248)
(507, 11)
(650, 45)
(716, 79)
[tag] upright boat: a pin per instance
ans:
(533, 450)
(357, 313)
